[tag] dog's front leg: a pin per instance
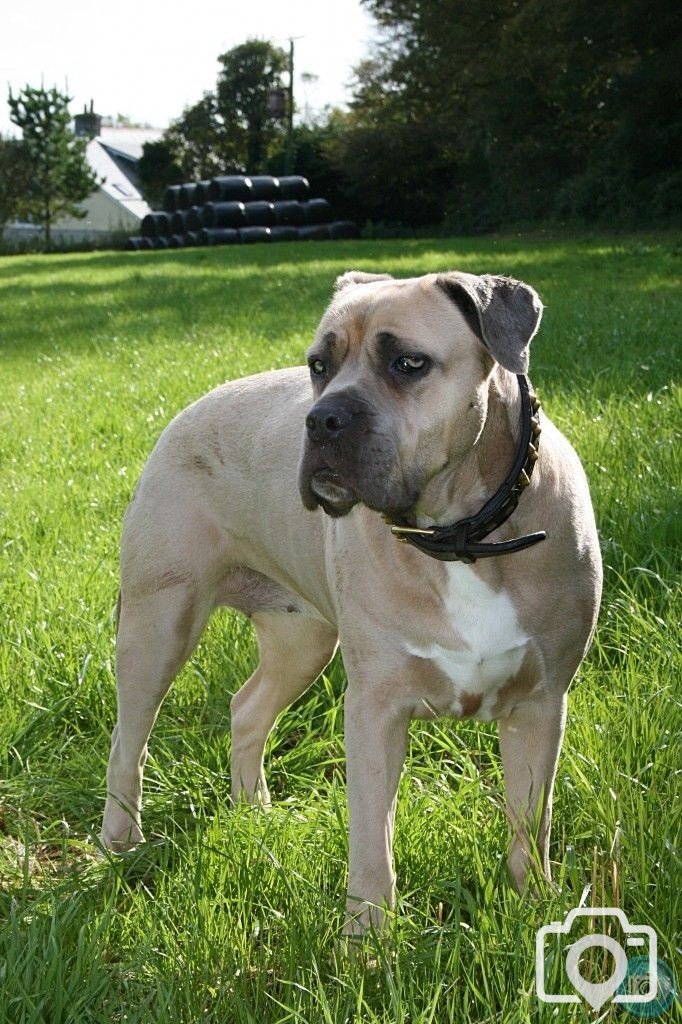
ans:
(376, 730)
(530, 742)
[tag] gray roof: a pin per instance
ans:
(128, 142)
(117, 176)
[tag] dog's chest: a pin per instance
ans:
(464, 676)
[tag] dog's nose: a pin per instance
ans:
(327, 420)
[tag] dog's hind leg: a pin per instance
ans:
(293, 651)
(156, 634)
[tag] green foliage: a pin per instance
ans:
(390, 171)
(537, 109)
(57, 176)
(317, 154)
(15, 175)
(228, 915)
(231, 131)
(248, 75)
(158, 168)
(199, 142)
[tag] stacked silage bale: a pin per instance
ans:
(238, 209)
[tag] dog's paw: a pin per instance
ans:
(259, 799)
(369, 949)
(120, 842)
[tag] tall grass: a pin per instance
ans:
(231, 915)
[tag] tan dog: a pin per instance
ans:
(414, 412)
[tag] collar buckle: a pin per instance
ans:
(398, 531)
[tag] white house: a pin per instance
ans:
(116, 206)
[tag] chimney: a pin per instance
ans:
(88, 124)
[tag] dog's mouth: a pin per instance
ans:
(331, 492)
(338, 477)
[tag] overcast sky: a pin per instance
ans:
(151, 58)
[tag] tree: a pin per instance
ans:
(231, 131)
(318, 154)
(538, 107)
(14, 179)
(199, 142)
(249, 75)
(158, 168)
(395, 174)
(59, 176)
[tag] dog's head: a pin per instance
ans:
(399, 371)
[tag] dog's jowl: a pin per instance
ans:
(405, 495)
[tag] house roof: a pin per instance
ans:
(115, 169)
(128, 142)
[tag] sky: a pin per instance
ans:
(150, 59)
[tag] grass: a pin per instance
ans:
(232, 915)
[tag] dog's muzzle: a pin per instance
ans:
(334, 430)
(348, 458)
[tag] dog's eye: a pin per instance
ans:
(411, 364)
(317, 367)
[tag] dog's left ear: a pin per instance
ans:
(504, 313)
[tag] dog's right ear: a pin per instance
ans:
(358, 277)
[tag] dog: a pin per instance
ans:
(424, 460)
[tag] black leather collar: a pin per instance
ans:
(461, 542)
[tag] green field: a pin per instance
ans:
(228, 915)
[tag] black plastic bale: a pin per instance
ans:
(155, 224)
(314, 233)
(187, 193)
(260, 214)
(134, 243)
(170, 198)
(317, 211)
(161, 242)
(223, 215)
(147, 243)
(289, 214)
(218, 236)
(250, 235)
(283, 234)
(344, 229)
(263, 186)
(201, 193)
(235, 188)
(177, 241)
(193, 219)
(293, 186)
(177, 222)
(191, 238)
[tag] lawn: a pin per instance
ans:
(228, 915)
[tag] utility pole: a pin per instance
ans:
(289, 161)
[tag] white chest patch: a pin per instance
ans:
(488, 643)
